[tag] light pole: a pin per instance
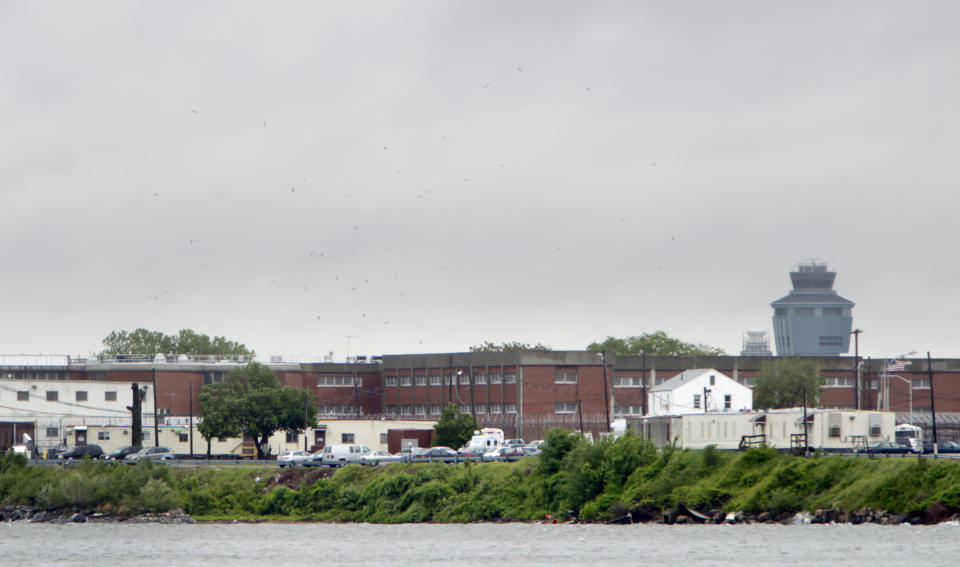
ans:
(886, 397)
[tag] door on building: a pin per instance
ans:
(80, 437)
(319, 439)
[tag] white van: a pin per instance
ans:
(340, 455)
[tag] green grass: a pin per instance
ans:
(596, 482)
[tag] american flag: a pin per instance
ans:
(896, 365)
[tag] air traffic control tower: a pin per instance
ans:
(812, 319)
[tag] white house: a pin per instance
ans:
(699, 390)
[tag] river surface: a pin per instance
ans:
(266, 545)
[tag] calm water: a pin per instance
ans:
(266, 545)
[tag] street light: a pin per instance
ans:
(886, 395)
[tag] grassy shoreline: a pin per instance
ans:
(572, 479)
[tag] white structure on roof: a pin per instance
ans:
(699, 390)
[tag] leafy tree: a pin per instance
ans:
(187, 341)
(657, 344)
(511, 346)
(453, 429)
(781, 383)
(252, 402)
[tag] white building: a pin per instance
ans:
(55, 411)
(699, 390)
(827, 429)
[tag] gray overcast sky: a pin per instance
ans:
(425, 176)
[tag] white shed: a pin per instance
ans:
(699, 390)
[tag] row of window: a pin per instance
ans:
(812, 311)
(324, 409)
(35, 375)
(437, 380)
(338, 381)
(636, 381)
(437, 409)
(54, 396)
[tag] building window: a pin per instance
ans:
(921, 383)
(145, 434)
(727, 401)
(510, 378)
(565, 407)
(481, 408)
(627, 381)
(496, 379)
(384, 439)
(103, 435)
(390, 381)
(110, 396)
(421, 381)
(391, 411)
(832, 311)
(405, 381)
(780, 311)
(53, 432)
(213, 377)
(713, 380)
(53, 395)
(183, 437)
(696, 401)
(627, 410)
(436, 380)
(327, 381)
(406, 409)
(496, 408)
(509, 408)
(565, 377)
(480, 378)
(746, 381)
(420, 409)
(23, 396)
(805, 311)
(99, 376)
(831, 341)
(435, 409)
(292, 436)
(81, 395)
(838, 382)
(346, 438)
(465, 379)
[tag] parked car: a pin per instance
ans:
(886, 448)
(293, 458)
(511, 453)
(92, 451)
(436, 455)
(121, 453)
(471, 453)
(514, 443)
(155, 454)
(379, 458)
(340, 455)
(942, 447)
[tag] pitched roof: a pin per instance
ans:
(819, 298)
(684, 377)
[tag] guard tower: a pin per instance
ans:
(812, 319)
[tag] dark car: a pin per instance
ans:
(122, 452)
(942, 447)
(436, 455)
(886, 448)
(472, 454)
(92, 451)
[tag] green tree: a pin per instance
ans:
(187, 341)
(655, 344)
(781, 384)
(251, 401)
(453, 429)
(510, 346)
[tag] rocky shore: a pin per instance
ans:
(38, 515)
(683, 515)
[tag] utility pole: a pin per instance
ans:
(933, 412)
(191, 420)
(156, 426)
(706, 392)
(135, 408)
(856, 366)
(606, 390)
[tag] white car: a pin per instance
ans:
(293, 458)
(379, 458)
(155, 454)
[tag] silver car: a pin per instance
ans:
(155, 454)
